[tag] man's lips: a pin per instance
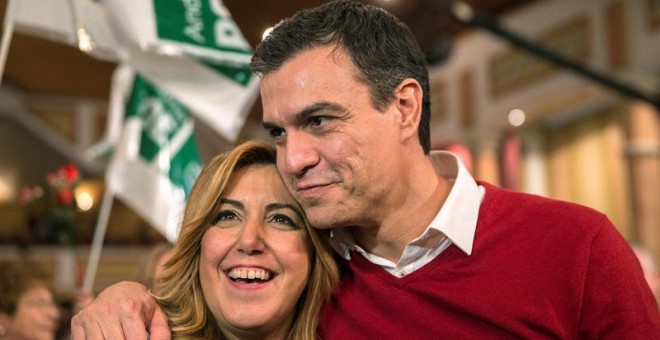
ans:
(310, 193)
(309, 188)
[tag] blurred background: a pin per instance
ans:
(553, 97)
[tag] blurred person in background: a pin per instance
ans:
(650, 269)
(27, 306)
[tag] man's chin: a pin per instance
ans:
(319, 216)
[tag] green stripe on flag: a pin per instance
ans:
(162, 116)
(185, 166)
(199, 22)
(240, 73)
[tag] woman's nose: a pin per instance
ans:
(251, 239)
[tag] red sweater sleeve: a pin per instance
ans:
(617, 303)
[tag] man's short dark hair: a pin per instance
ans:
(383, 49)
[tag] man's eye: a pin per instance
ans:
(318, 120)
(276, 133)
(225, 215)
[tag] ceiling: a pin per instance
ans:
(41, 67)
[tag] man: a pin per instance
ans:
(426, 250)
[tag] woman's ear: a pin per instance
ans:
(408, 98)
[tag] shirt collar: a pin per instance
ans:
(457, 219)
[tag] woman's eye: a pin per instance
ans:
(225, 215)
(286, 220)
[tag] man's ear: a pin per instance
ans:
(408, 99)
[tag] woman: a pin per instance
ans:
(27, 306)
(247, 264)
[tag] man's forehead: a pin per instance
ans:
(310, 81)
(284, 95)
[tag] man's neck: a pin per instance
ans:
(407, 220)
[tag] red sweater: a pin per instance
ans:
(539, 268)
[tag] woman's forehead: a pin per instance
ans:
(261, 180)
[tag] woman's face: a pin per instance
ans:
(36, 316)
(256, 258)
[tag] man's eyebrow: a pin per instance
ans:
(315, 108)
(306, 112)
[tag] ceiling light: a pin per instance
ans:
(84, 201)
(85, 42)
(516, 117)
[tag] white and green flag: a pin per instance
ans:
(192, 49)
(199, 28)
(157, 160)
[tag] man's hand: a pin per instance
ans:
(124, 310)
(81, 299)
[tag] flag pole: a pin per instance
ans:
(97, 243)
(7, 33)
(115, 114)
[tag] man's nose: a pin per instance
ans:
(298, 154)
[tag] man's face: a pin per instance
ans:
(335, 151)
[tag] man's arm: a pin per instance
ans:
(122, 311)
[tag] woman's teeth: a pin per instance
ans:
(249, 274)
